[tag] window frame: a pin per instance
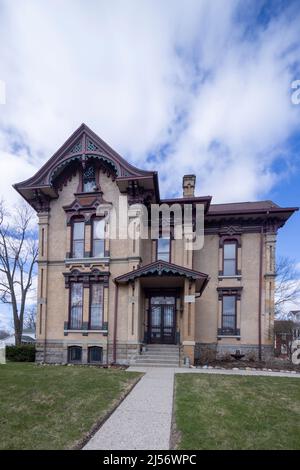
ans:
(170, 249)
(90, 348)
(73, 347)
(235, 243)
(74, 221)
(70, 327)
(234, 331)
(95, 219)
(90, 305)
(95, 178)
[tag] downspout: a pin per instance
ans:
(260, 293)
(115, 323)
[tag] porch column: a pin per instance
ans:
(189, 342)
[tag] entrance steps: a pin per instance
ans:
(159, 355)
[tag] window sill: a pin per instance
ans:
(237, 276)
(229, 336)
(85, 331)
(104, 259)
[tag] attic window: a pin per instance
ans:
(89, 179)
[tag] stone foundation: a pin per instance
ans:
(219, 350)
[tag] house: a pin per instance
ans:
(107, 295)
(28, 337)
(283, 337)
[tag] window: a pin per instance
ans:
(229, 315)
(76, 293)
(95, 354)
(96, 306)
(163, 249)
(78, 240)
(98, 237)
(229, 258)
(89, 179)
(74, 354)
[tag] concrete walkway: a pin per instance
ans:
(143, 419)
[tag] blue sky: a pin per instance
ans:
(194, 86)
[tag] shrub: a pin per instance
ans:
(22, 353)
(207, 355)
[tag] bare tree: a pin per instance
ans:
(18, 255)
(30, 318)
(287, 285)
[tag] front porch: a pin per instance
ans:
(162, 306)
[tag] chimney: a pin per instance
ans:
(188, 185)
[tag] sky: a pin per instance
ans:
(193, 86)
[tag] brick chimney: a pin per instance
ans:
(188, 185)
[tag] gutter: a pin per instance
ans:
(115, 323)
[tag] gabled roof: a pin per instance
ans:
(81, 145)
(164, 268)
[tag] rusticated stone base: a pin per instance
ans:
(220, 351)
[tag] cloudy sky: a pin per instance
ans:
(181, 86)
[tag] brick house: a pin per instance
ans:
(108, 299)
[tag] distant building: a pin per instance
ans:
(28, 337)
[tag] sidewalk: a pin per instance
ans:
(143, 419)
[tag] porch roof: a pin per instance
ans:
(164, 268)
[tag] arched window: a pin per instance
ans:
(230, 258)
(74, 354)
(95, 354)
(98, 238)
(89, 179)
(78, 239)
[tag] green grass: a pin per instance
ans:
(230, 412)
(55, 407)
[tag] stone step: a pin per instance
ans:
(160, 355)
(156, 364)
(140, 360)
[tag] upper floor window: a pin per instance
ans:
(163, 249)
(96, 306)
(76, 303)
(229, 258)
(78, 240)
(89, 179)
(98, 237)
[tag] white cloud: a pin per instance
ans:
(143, 74)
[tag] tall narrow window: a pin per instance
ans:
(89, 179)
(229, 258)
(78, 240)
(98, 238)
(229, 315)
(163, 249)
(96, 307)
(76, 302)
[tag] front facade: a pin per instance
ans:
(104, 298)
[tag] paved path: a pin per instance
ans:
(143, 419)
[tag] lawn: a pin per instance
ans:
(234, 412)
(55, 407)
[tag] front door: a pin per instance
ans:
(162, 321)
